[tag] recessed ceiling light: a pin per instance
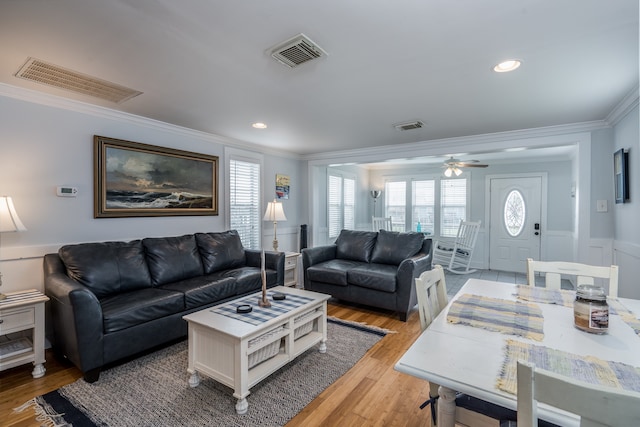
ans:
(259, 125)
(506, 66)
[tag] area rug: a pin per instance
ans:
(153, 390)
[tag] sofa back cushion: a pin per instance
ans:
(393, 247)
(172, 258)
(355, 245)
(107, 268)
(220, 251)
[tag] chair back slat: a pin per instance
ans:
(584, 274)
(431, 290)
(381, 223)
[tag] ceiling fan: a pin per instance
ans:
(454, 166)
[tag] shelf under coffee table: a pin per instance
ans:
(240, 350)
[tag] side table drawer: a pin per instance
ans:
(290, 262)
(17, 319)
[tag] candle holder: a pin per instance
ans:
(263, 301)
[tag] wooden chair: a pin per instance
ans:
(381, 223)
(584, 274)
(431, 290)
(455, 255)
(596, 405)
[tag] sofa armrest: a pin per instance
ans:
(272, 260)
(408, 271)
(313, 256)
(76, 314)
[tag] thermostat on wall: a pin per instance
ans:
(66, 191)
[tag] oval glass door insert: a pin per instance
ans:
(514, 213)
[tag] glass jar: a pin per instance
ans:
(590, 309)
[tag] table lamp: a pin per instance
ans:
(274, 213)
(9, 221)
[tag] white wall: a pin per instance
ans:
(49, 142)
(626, 245)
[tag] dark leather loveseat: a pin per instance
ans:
(371, 268)
(112, 300)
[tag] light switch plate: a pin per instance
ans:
(601, 206)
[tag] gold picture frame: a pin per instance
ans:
(132, 179)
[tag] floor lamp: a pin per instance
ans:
(9, 221)
(274, 213)
(375, 194)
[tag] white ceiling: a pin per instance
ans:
(203, 64)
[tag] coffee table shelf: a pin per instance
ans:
(240, 355)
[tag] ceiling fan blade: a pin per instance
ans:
(472, 165)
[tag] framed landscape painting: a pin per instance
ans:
(133, 179)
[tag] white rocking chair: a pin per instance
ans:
(456, 255)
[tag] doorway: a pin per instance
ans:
(515, 221)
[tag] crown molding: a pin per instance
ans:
(49, 100)
(623, 108)
(543, 136)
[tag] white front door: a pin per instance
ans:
(515, 228)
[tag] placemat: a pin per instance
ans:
(505, 316)
(546, 296)
(258, 314)
(583, 368)
(567, 298)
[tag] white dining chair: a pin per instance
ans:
(597, 406)
(455, 255)
(431, 291)
(381, 223)
(584, 274)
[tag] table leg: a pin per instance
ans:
(446, 407)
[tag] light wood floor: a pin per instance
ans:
(370, 394)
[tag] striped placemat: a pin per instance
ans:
(546, 296)
(583, 368)
(567, 298)
(505, 316)
(259, 315)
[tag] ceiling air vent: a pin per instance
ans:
(53, 75)
(296, 51)
(417, 124)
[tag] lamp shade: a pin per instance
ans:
(9, 220)
(274, 212)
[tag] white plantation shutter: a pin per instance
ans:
(244, 199)
(395, 200)
(342, 204)
(453, 205)
(335, 205)
(423, 206)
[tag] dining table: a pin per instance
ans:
(479, 359)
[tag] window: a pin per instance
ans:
(396, 203)
(412, 201)
(342, 206)
(244, 201)
(453, 205)
(514, 213)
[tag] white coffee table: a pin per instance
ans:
(230, 349)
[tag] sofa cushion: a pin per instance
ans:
(355, 245)
(203, 290)
(129, 309)
(107, 268)
(393, 247)
(333, 271)
(171, 259)
(381, 277)
(220, 251)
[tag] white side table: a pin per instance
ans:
(22, 311)
(291, 268)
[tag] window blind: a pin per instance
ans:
(244, 197)
(342, 204)
(453, 205)
(395, 200)
(423, 205)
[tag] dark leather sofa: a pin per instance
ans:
(372, 268)
(112, 300)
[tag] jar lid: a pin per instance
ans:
(591, 292)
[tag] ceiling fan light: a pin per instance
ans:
(506, 66)
(457, 171)
(447, 172)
